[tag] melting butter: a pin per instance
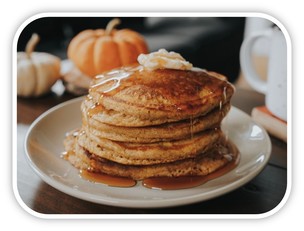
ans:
(163, 59)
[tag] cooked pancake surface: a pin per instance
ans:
(221, 154)
(148, 134)
(159, 96)
(149, 153)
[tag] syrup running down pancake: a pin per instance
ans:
(221, 153)
(148, 134)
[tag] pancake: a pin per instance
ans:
(149, 153)
(222, 153)
(133, 94)
(164, 132)
(151, 120)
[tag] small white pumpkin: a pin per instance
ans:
(36, 71)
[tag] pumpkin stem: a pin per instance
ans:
(31, 44)
(111, 25)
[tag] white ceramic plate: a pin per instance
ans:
(44, 145)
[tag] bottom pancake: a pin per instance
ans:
(220, 155)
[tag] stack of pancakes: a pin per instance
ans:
(140, 123)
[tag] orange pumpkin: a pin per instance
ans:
(96, 51)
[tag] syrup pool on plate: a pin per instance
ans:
(163, 183)
(109, 180)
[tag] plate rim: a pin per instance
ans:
(141, 203)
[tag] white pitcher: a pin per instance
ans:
(275, 88)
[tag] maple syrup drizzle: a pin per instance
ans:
(107, 84)
(95, 109)
(191, 127)
(110, 81)
(184, 182)
(109, 180)
(224, 93)
(163, 183)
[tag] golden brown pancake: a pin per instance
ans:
(149, 153)
(165, 132)
(222, 153)
(131, 95)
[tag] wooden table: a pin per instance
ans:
(260, 195)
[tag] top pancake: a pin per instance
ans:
(158, 96)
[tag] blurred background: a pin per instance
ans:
(209, 43)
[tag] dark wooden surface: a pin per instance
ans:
(260, 195)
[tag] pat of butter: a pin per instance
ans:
(163, 59)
